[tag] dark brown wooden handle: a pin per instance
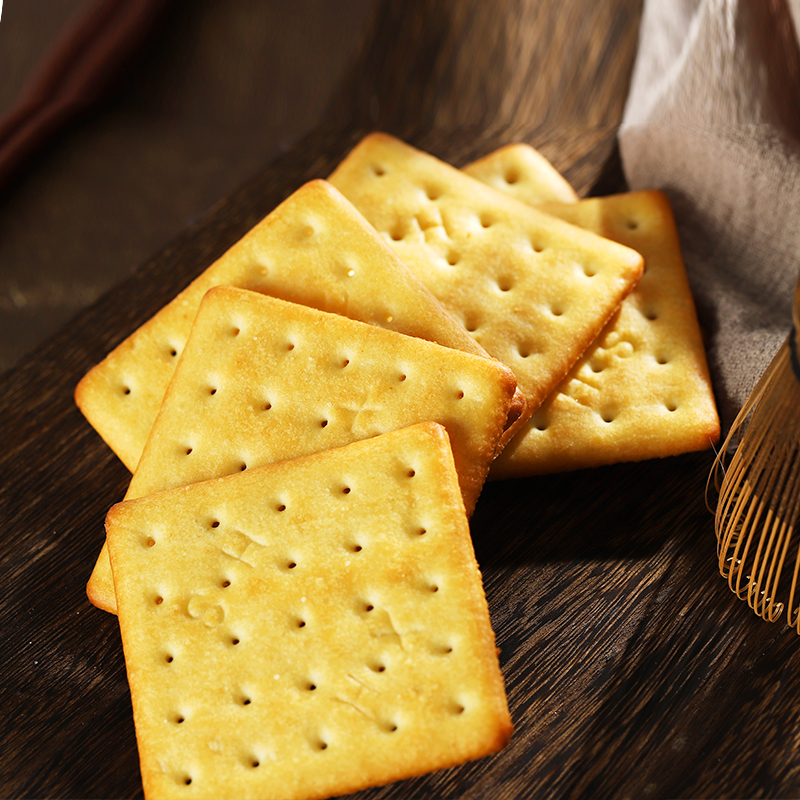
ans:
(73, 75)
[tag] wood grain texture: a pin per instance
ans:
(632, 671)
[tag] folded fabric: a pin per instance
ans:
(713, 120)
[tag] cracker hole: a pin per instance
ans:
(632, 224)
(150, 542)
(453, 258)
(460, 395)
(389, 727)
(538, 247)
(505, 284)
(323, 423)
(345, 362)
(173, 352)
(378, 170)
(291, 564)
(214, 524)
(433, 588)
(661, 359)
(539, 421)
(169, 658)
(401, 377)
(242, 467)
(651, 314)
(212, 391)
(671, 405)
(187, 781)
(225, 584)
(524, 351)
(126, 390)
(346, 490)
(310, 686)
(300, 623)
(254, 762)
(557, 311)
(589, 271)
(179, 720)
(280, 507)
(410, 473)
(511, 176)
(486, 221)
(290, 346)
(433, 192)
(246, 701)
(355, 548)
(596, 367)
(442, 649)
(159, 600)
(235, 331)
(421, 531)
(235, 640)
(267, 406)
(607, 416)
(188, 451)
(396, 234)
(378, 666)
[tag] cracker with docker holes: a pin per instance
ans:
(533, 290)
(262, 380)
(523, 172)
(313, 249)
(642, 390)
(309, 628)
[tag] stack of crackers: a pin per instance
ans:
(309, 426)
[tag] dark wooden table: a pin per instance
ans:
(632, 671)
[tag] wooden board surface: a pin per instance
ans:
(631, 669)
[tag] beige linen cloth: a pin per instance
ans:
(713, 119)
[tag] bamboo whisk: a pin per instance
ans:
(759, 490)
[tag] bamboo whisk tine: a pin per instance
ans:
(759, 491)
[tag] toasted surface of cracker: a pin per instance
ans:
(532, 290)
(313, 249)
(642, 390)
(262, 380)
(521, 171)
(284, 639)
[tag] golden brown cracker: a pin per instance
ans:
(642, 390)
(262, 380)
(313, 249)
(521, 171)
(286, 639)
(532, 290)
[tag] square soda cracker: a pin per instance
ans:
(314, 249)
(642, 390)
(533, 290)
(286, 639)
(263, 380)
(521, 171)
